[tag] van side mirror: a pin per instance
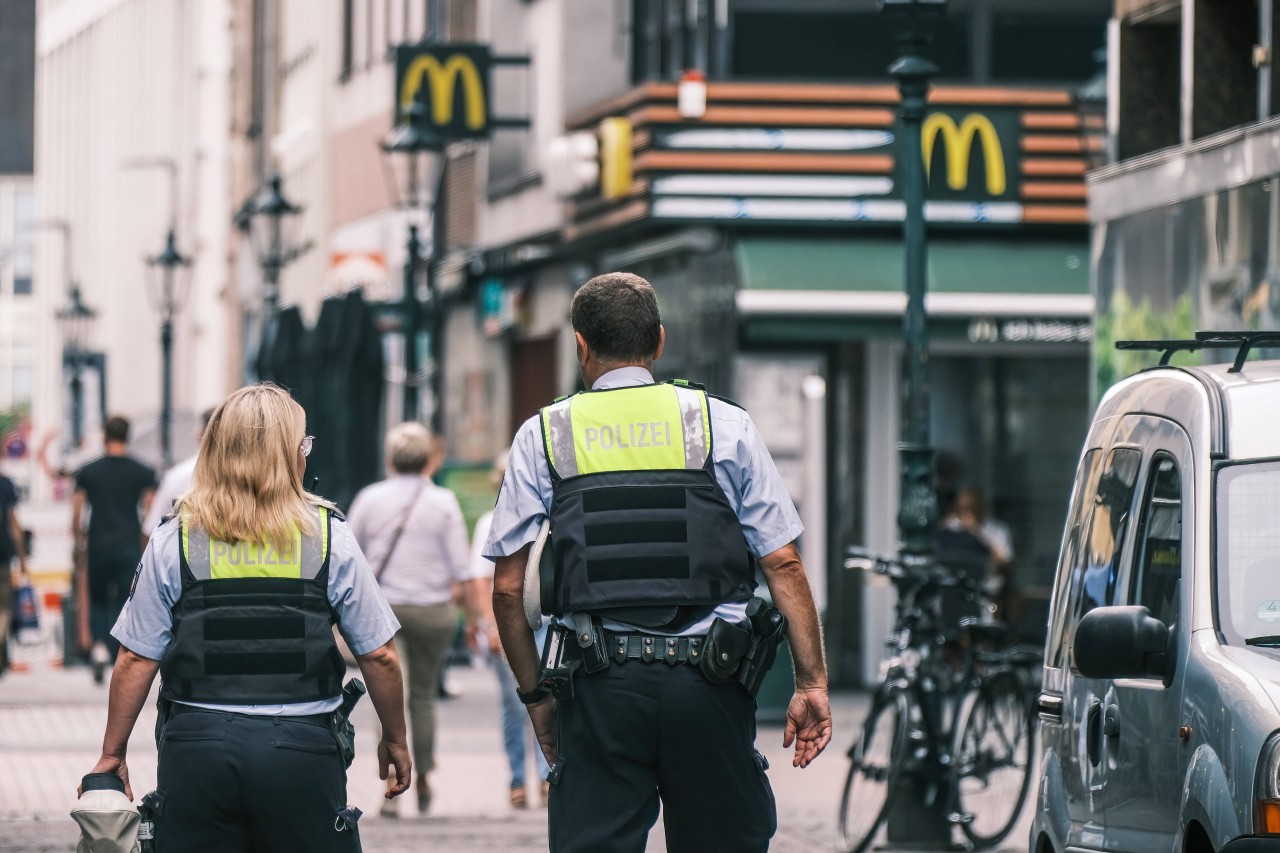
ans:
(1121, 642)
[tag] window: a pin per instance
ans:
(1107, 530)
(24, 219)
(348, 38)
(1159, 565)
(1072, 543)
(1247, 522)
(1050, 47)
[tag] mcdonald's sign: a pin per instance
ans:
(965, 155)
(452, 83)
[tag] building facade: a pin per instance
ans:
(769, 220)
(1186, 222)
(132, 113)
(17, 240)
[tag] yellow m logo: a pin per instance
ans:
(443, 79)
(956, 144)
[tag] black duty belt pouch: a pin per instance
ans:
(727, 644)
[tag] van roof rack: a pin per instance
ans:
(1243, 342)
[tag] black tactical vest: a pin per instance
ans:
(638, 522)
(253, 626)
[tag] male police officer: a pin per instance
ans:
(658, 497)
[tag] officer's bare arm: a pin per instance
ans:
(508, 611)
(381, 671)
(130, 683)
(808, 716)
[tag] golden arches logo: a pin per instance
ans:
(957, 141)
(443, 79)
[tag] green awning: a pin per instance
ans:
(955, 266)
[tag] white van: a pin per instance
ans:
(1160, 702)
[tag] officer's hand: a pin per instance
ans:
(808, 725)
(543, 716)
(396, 754)
(111, 764)
(84, 635)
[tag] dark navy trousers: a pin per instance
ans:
(235, 784)
(638, 735)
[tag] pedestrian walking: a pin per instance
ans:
(174, 483)
(517, 734)
(416, 539)
(660, 499)
(11, 545)
(233, 605)
(117, 490)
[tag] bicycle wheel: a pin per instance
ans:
(992, 758)
(875, 760)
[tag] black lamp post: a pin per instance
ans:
(915, 821)
(414, 156)
(272, 222)
(168, 300)
(918, 504)
(75, 322)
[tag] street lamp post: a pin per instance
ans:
(167, 298)
(918, 505)
(272, 218)
(914, 821)
(415, 161)
(75, 320)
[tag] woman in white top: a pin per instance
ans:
(414, 536)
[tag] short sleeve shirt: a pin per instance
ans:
(743, 468)
(145, 626)
(114, 486)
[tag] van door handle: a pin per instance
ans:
(1111, 721)
(1093, 733)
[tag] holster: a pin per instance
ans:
(768, 630)
(149, 812)
(725, 647)
(557, 668)
(344, 733)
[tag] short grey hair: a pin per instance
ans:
(409, 447)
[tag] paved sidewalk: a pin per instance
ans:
(51, 724)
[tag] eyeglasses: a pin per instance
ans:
(305, 447)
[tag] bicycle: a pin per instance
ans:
(952, 719)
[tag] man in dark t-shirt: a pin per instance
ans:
(117, 490)
(11, 545)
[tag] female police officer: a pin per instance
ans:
(233, 605)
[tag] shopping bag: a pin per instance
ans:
(26, 615)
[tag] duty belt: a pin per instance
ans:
(647, 649)
(320, 720)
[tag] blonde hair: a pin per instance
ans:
(409, 447)
(246, 486)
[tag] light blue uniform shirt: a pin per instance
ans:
(743, 467)
(145, 626)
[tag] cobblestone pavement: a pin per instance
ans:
(51, 724)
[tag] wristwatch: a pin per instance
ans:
(534, 696)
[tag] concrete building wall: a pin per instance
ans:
(122, 83)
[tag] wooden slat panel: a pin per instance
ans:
(1043, 213)
(622, 103)
(802, 93)
(769, 117)
(1053, 191)
(616, 219)
(998, 97)
(1050, 121)
(1053, 168)
(1052, 144)
(764, 161)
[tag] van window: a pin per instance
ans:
(1095, 562)
(1159, 565)
(1072, 540)
(1247, 569)
(1107, 530)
